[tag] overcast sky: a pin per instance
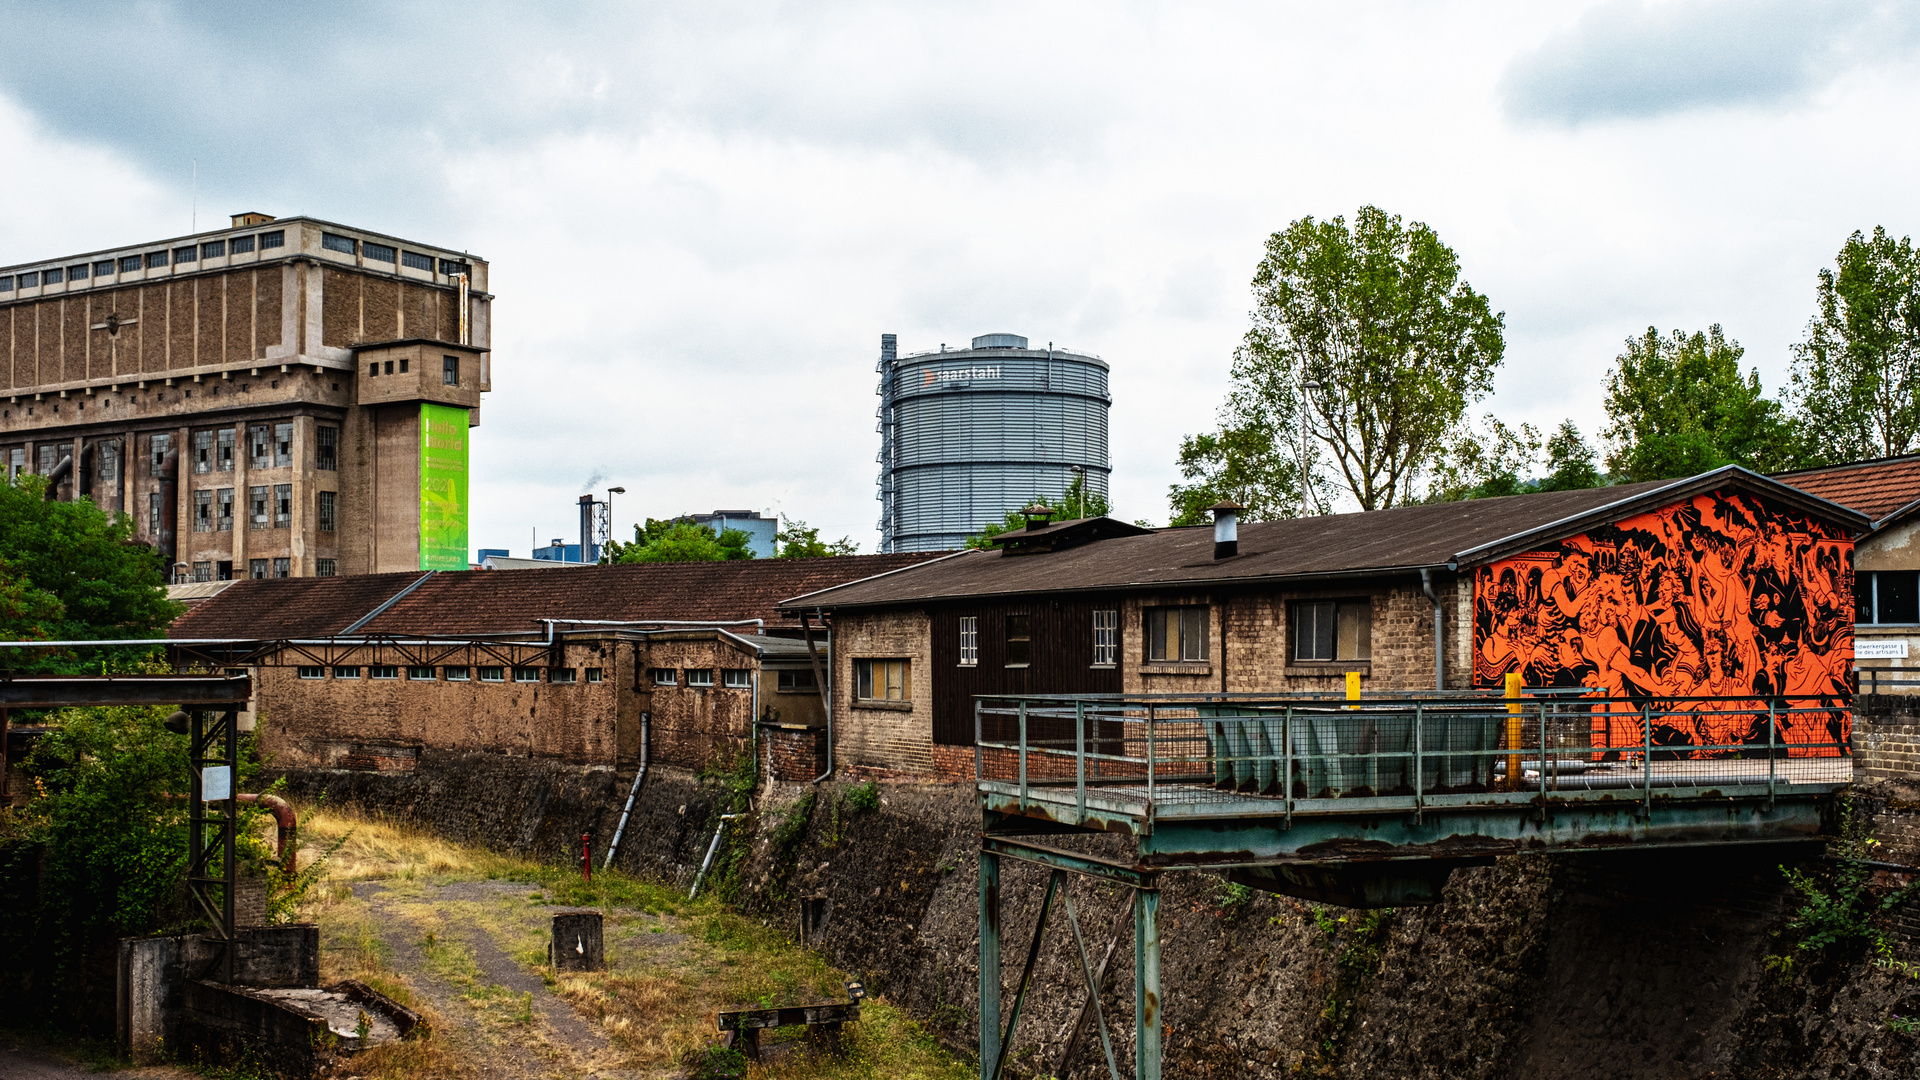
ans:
(701, 217)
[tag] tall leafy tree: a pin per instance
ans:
(799, 540)
(1678, 404)
(1399, 346)
(1571, 463)
(68, 572)
(1855, 387)
(680, 541)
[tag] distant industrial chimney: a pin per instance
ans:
(251, 217)
(586, 529)
(1226, 529)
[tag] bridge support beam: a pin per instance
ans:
(1146, 983)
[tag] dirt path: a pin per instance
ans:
(456, 943)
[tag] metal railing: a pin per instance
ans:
(1887, 680)
(1310, 753)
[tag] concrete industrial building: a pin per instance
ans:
(279, 398)
(970, 435)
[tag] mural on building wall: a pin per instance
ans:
(1721, 596)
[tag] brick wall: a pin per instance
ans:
(885, 739)
(351, 723)
(1886, 737)
(692, 724)
(794, 755)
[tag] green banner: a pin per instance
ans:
(443, 488)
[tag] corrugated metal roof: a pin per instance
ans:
(1402, 540)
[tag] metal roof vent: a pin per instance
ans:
(999, 341)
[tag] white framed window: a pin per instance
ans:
(969, 640)
(882, 680)
(383, 671)
(493, 674)
(737, 679)
(593, 674)
(526, 674)
(420, 674)
(699, 676)
(312, 672)
(560, 675)
(455, 674)
(346, 672)
(1106, 638)
(664, 676)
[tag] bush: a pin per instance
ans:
(1839, 908)
(864, 798)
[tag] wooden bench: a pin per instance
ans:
(822, 1021)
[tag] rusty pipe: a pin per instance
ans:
(286, 843)
(288, 822)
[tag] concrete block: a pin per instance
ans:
(147, 986)
(577, 942)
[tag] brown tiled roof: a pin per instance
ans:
(1401, 540)
(1875, 488)
(289, 607)
(514, 601)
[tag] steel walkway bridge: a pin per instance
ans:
(1365, 800)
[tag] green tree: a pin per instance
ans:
(1679, 405)
(1570, 462)
(680, 541)
(1399, 347)
(68, 572)
(1855, 387)
(1486, 461)
(799, 540)
(1238, 463)
(1075, 502)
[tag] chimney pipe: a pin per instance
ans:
(586, 529)
(1226, 529)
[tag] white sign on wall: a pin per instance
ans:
(1880, 649)
(216, 783)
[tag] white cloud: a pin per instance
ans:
(701, 219)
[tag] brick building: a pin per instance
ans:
(1725, 583)
(366, 672)
(1886, 588)
(280, 398)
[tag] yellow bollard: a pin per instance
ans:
(1513, 730)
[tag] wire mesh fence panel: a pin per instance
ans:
(1316, 748)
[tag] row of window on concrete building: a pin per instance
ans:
(151, 260)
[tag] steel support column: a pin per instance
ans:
(989, 962)
(1146, 983)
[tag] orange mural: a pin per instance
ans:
(1721, 597)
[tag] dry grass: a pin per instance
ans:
(674, 963)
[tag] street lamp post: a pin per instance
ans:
(611, 492)
(1306, 447)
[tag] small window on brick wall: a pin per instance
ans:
(882, 680)
(493, 674)
(593, 674)
(526, 674)
(455, 674)
(313, 672)
(424, 674)
(1327, 631)
(560, 675)
(699, 676)
(737, 679)
(664, 676)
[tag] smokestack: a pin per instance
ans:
(586, 529)
(1226, 529)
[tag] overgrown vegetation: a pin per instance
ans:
(1840, 909)
(864, 798)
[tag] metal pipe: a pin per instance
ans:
(1439, 649)
(169, 496)
(646, 739)
(57, 474)
(820, 684)
(711, 849)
